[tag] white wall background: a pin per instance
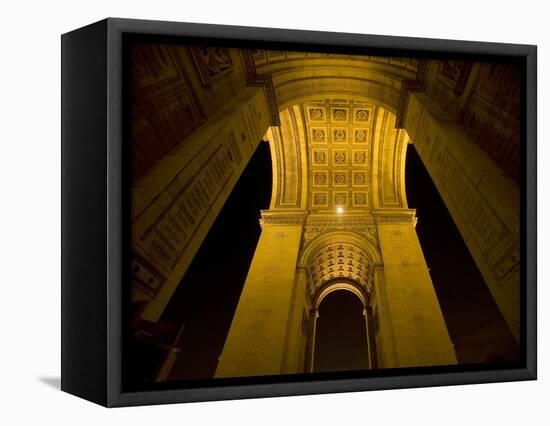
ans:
(30, 211)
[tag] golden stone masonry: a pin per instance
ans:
(338, 128)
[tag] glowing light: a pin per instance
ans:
(339, 210)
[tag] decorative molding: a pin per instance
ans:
(316, 226)
(211, 62)
(416, 85)
(290, 190)
(283, 217)
(299, 88)
(331, 129)
(340, 261)
(385, 216)
(261, 80)
(167, 237)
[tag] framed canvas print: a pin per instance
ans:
(255, 212)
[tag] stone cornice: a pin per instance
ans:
(283, 217)
(361, 224)
(383, 216)
(340, 220)
(416, 85)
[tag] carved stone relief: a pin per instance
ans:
(340, 261)
(211, 62)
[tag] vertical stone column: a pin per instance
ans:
(311, 337)
(383, 328)
(256, 343)
(294, 344)
(409, 303)
(373, 355)
(368, 336)
(481, 198)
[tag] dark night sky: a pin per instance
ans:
(208, 294)
(475, 323)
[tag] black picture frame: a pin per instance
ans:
(94, 226)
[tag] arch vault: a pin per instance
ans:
(338, 127)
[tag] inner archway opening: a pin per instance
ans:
(341, 340)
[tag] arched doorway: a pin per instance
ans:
(341, 338)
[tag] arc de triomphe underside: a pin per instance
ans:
(338, 128)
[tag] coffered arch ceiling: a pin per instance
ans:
(337, 145)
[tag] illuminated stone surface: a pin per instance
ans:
(338, 128)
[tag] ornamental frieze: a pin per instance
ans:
(317, 227)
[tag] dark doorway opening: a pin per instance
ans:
(341, 334)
